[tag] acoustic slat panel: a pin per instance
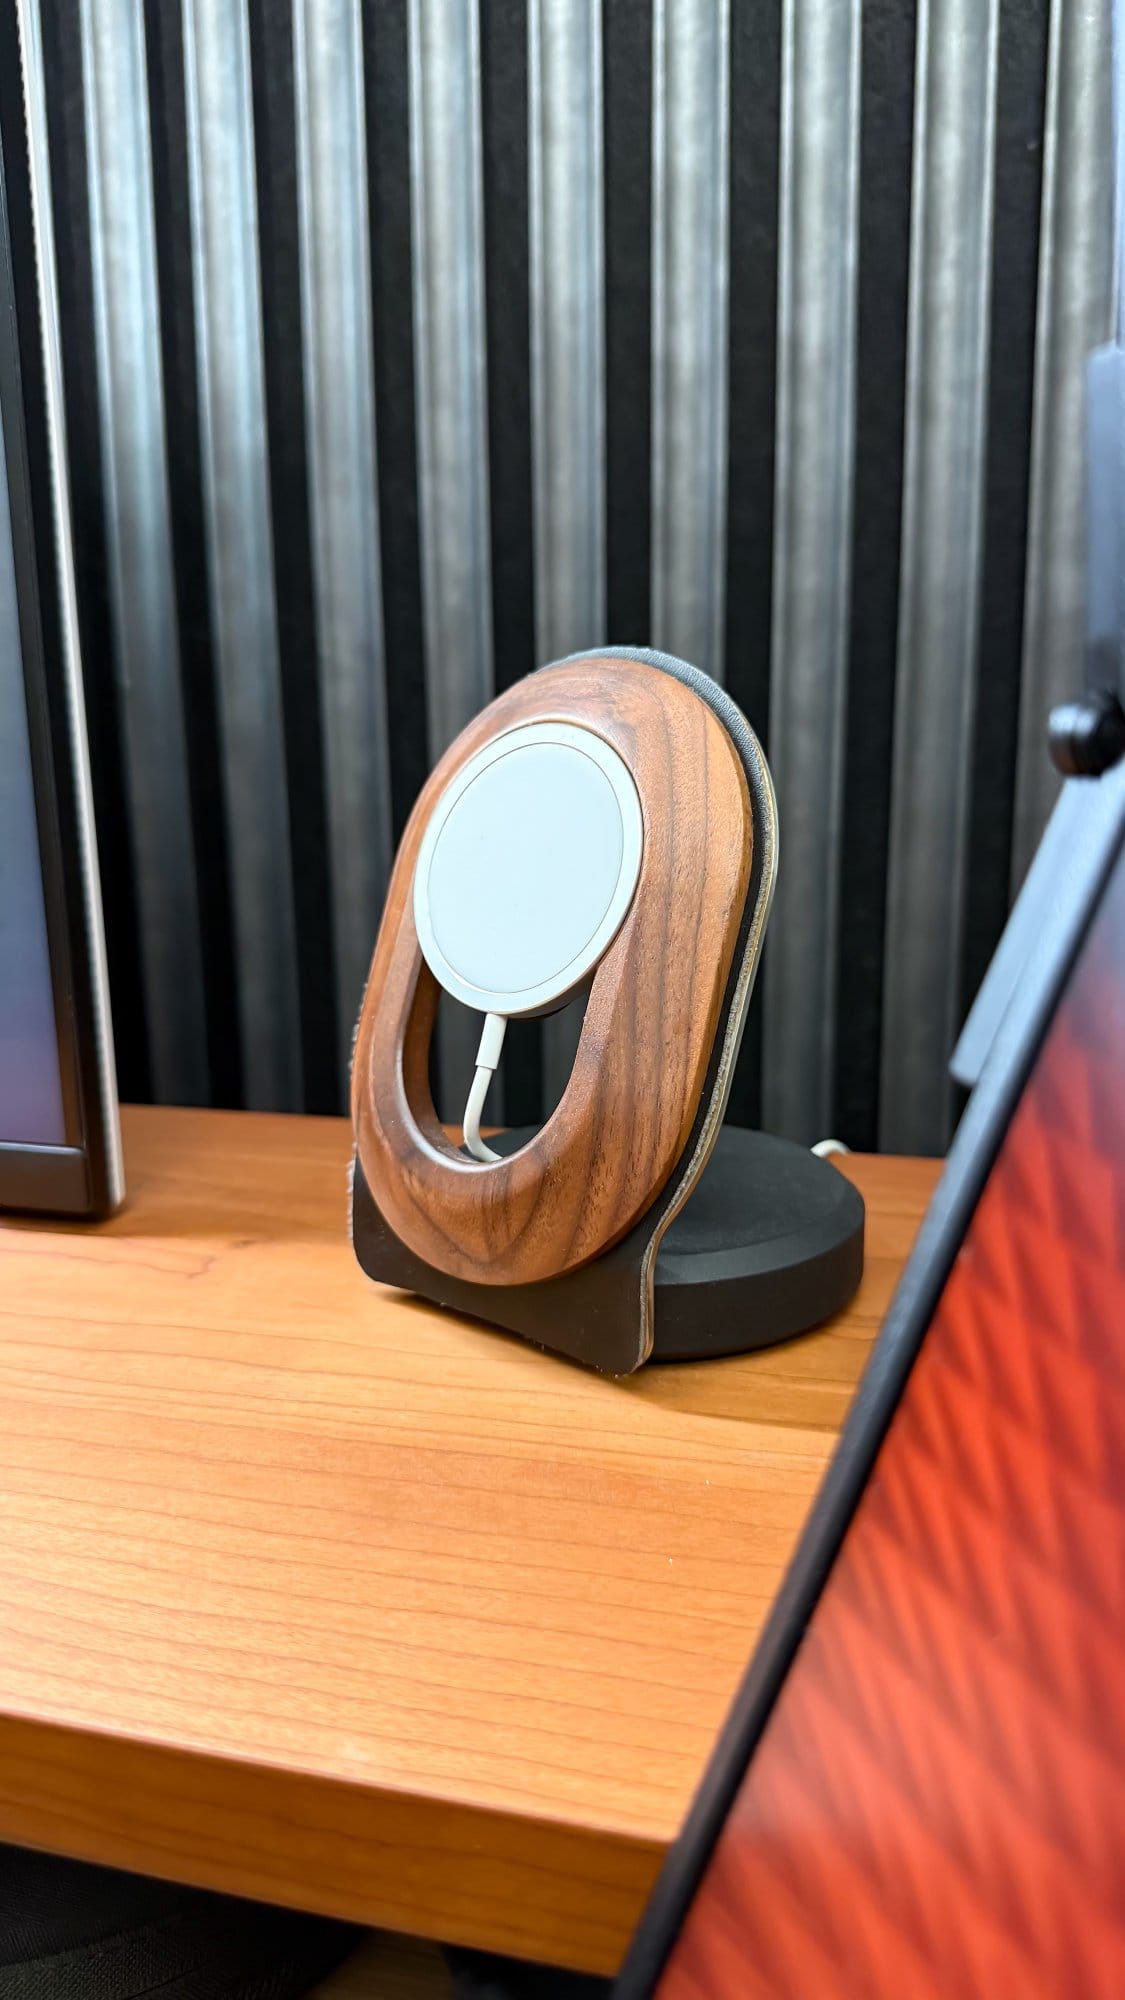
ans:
(449, 341)
(407, 345)
(138, 534)
(812, 546)
(939, 605)
(690, 242)
(240, 548)
(1074, 316)
(566, 201)
(340, 419)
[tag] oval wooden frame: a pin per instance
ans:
(624, 1119)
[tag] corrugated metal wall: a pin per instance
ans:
(410, 343)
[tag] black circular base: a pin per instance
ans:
(769, 1245)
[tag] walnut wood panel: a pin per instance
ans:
(624, 1118)
(314, 1593)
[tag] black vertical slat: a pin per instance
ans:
(503, 27)
(886, 154)
(627, 29)
(386, 68)
(755, 133)
(627, 87)
(504, 110)
(1021, 93)
(202, 733)
(62, 61)
(386, 72)
(275, 154)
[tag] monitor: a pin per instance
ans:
(921, 1789)
(59, 1138)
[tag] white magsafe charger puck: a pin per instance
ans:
(527, 868)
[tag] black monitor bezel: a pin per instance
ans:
(908, 1319)
(78, 1177)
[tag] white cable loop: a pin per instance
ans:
(488, 1057)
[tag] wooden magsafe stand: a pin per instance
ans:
(631, 1225)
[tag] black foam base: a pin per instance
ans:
(769, 1245)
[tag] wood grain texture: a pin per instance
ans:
(623, 1120)
(311, 1592)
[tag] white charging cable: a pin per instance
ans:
(488, 1060)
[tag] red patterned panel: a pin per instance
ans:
(937, 1807)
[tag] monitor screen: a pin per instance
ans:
(936, 1805)
(31, 1094)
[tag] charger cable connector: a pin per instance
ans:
(488, 1061)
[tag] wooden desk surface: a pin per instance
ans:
(315, 1593)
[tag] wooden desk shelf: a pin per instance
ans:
(314, 1593)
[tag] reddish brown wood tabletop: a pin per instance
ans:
(309, 1591)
